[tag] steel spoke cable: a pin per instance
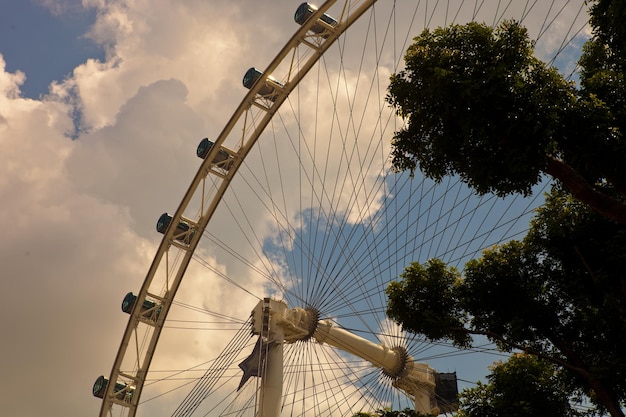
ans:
(274, 209)
(477, 8)
(282, 193)
(297, 242)
(173, 377)
(375, 78)
(529, 207)
(334, 91)
(205, 384)
(528, 8)
(234, 218)
(458, 11)
(312, 236)
(195, 397)
(547, 22)
(448, 216)
(284, 226)
(330, 223)
(206, 264)
(314, 371)
(363, 242)
(347, 239)
(207, 312)
(341, 374)
(236, 255)
(566, 42)
(432, 14)
(354, 148)
(272, 276)
(314, 193)
(439, 214)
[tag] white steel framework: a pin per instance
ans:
(152, 304)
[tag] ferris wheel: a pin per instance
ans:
(266, 295)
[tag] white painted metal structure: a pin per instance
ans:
(170, 263)
(279, 324)
(128, 374)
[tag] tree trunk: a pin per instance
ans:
(606, 399)
(573, 363)
(577, 365)
(603, 204)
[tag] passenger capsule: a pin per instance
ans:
(100, 387)
(252, 76)
(222, 159)
(306, 10)
(129, 302)
(181, 230)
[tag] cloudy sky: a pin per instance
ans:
(102, 103)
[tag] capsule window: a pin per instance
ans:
(221, 159)
(122, 391)
(267, 90)
(149, 307)
(182, 233)
(306, 10)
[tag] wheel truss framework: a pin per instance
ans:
(121, 395)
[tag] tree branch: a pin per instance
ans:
(606, 397)
(603, 204)
(523, 348)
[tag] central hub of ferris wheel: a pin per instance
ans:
(276, 324)
(296, 323)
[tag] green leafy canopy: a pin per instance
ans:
(479, 105)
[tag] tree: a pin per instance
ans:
(387, 412)
(523, 386)
(558, 294)
(478, 104)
